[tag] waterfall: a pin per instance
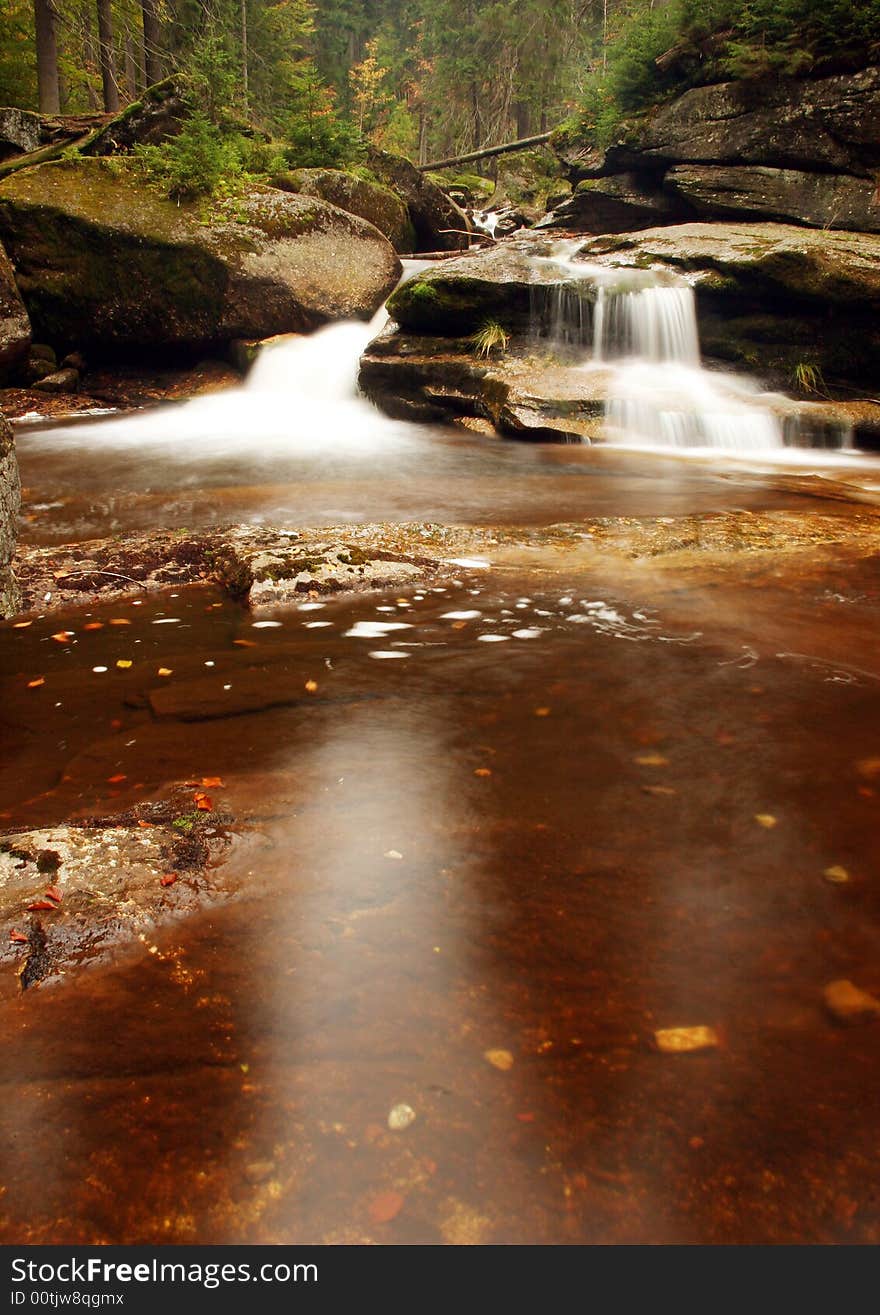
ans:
(641, 328)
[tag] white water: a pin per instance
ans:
(645, 341)
(300, 398)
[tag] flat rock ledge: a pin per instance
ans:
(71, 893)
(261, 566)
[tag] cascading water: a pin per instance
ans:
(645, 352)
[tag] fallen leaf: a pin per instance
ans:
(836, 875)
(245, 643)
(652, 760)
(482, 771)
(123, 663)
(682, 1040)
(392, 853)
(120, 621)
(62, 636)
(542, 712)
(724, 738)
(869, 767)
(212, 782)
(386, 1206)
(658, 789)
(459, 625)
(21, 625)
(94, 625)
(35, 684)
(54, 893)
(114, 780)
(164, 671)
(19, 937)
(767, 820)
(168, 879)
(311, 686)
(527, 1117)
(41, 906)
(203, 802)
(144, 824)
(501, 1059)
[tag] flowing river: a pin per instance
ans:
(533, 812)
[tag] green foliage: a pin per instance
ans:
(195, 162)
(490, 337)
(809, 378)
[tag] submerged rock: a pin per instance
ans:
(379, 205)
(10, 498)
(109, 881)
(105, 262)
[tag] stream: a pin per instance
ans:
(528, 815)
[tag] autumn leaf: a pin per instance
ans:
(168, 879)
(120, 621)
(482, 771)
(164, 671)
(18, 936)
(21, 625)
(114, 780)
(62, 637)
(212, 782)
(652, 760)
(386, 1206)
(94, 625)
(41, 906)
(203, 802)
(766, 820)
(54, 893)
(311, 686)
(144, 824)
(35, 684)
(123, 663)
(245, 643)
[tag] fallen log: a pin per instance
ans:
(522, 145)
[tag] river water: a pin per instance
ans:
(478, 868)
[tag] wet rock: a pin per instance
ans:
(460, 295)
(109, 880)
(382, 207)
(61, 381)
(10, 498)
(440, 224)
(685, 1040)
(848, 1003)
(827, 201)
(770, 296)
(104, 262)
(15, 326)
(618, 203)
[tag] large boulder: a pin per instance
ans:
(802, 150)
(19, 131)
(506, 284)
(440, 224)
(104, 262)
(15, 327)
(758, 192)
(379, 205)
(10, 498)
(817, 124)
(771, 296)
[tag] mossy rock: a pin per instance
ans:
(105, 262)
(372, 201)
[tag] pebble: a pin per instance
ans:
(401, 1117)
(848, 1003)
(682, 1040)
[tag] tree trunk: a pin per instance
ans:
(488, 151)
(47, 56)
(152, 42)
(423, 136)
(523, 118)
(132, 82)
(107, 56)
(244, 54)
